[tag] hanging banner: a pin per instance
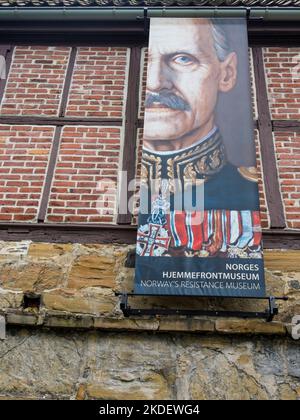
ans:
(199, 227)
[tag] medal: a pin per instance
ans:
(153, 239)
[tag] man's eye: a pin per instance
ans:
(183, 60)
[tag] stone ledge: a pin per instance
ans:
(56, 319)
(186, 324)
(250, 326)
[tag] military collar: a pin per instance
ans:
(185, 149)
(200, 161)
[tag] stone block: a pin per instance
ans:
(127, 324)
(45, 250)
(94, 301)
(282, 261)
(92, 271)
(10, 300)
(30, 277)
(14, 249)
(68, 321)
(249, 326)
(145, 386)
(186, 325)
(21, 319)
(39, 364)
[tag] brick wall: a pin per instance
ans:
(143, 80)
(80, 190)
(35, 81)
(24, 154)
(282, 67)
(98, 89)
(288, 161)
(87, 154)
(99, 83)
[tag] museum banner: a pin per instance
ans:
(199, 229)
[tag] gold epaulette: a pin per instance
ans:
(249, 173)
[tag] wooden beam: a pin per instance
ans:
(271, 182)
(67, 84)
(281, 239)
(57, 139)
(49, 175)
(278, 125)
(114, 234)
(24, 120)
(65, 233)
(130, 137)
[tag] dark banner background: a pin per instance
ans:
(151, 279)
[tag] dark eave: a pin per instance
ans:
(149, 3)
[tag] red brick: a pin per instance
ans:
(283, 77)
(29, 91)
(99, 82)
(25, 181)
(75, 186)
(288, 166)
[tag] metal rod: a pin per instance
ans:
(285, 298)
(268, 315)
(195, 312)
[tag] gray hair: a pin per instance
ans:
(221, 41)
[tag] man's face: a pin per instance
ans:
(184, 78)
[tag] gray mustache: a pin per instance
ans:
(167, 99)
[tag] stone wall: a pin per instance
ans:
(101, 365)
(76, 343)
(84, 278)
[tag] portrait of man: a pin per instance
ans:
(191, 64)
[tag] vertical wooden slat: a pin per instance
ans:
(131, 125)
(49, 175)
(57, 138)
(268, 156)
(68, 81)
(6, 51)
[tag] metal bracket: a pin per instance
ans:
(2, 327)
(145, 20)
(273, 309)
(268, 314)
